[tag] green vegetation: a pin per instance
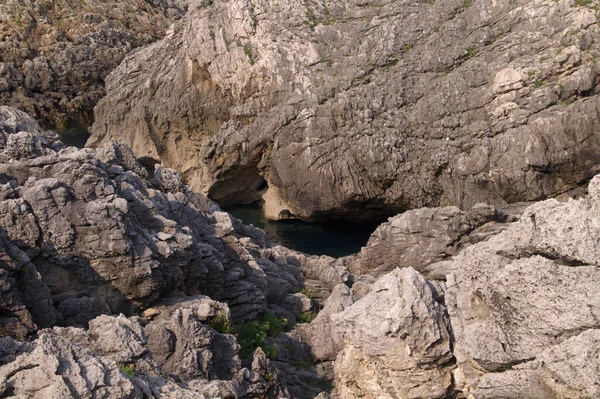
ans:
(248, 52)
(205, 4)
(221, 324)
(303, 365)
(307, 317)
(467, 3)
(582, 3)
(252, 334)
(471, 53)
(128, 369)
(312, 20)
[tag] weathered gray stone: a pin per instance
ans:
(58, 369)
(56, 55)
(396, 341)
(424, 238)
(104, 242)
(522, 302)
(356, 109)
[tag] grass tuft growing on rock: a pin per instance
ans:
(252, 334)
(128, 369)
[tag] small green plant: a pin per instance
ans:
(271, 351)
(303, 364)
(305, 290)
(307, 317)
(220, 324)
(406, 48)
(128, 369)
(248, 52)
(252, 334)
(538, 83)
(471, 53)
(312, 20)
(582, 3)
(467, 3)
(205, 4)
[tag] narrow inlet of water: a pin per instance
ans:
(334, 238)
(74, 137)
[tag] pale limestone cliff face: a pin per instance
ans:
(55, 55)
(363, 109)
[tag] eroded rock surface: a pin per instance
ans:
(366, 108)
(55, 55)
(104, 241)
(524, 305)
(396, 341)
(426, 239)
(84, 237)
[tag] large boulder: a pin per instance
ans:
(365, 109)
(396, 341)
(524, 305)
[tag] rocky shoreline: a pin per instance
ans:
(117, 284)
(121, 277)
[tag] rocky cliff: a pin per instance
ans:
(55, 55)
(363, 108)
(495, 304)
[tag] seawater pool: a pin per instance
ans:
(333, 238)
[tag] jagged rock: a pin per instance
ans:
(114, 153)
(396, 341)
(350, 109)
(184, 346)
(10, 349)
(119, 338)
(15, 121)
(325, 341)
(56, 55)
(424, 238)
(19, 135)
(24, 298)
(168, 180)
(79, 311)
(58, 369)
(524, 307)
(103, 240)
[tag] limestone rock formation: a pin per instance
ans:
(366, 108)
(55, 55)
(88, 234)
(396, 342)
(426, 239)
(112, 360)
(104, 241)
(524, 305)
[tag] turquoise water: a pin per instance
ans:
(75, 137)
(335, 238)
